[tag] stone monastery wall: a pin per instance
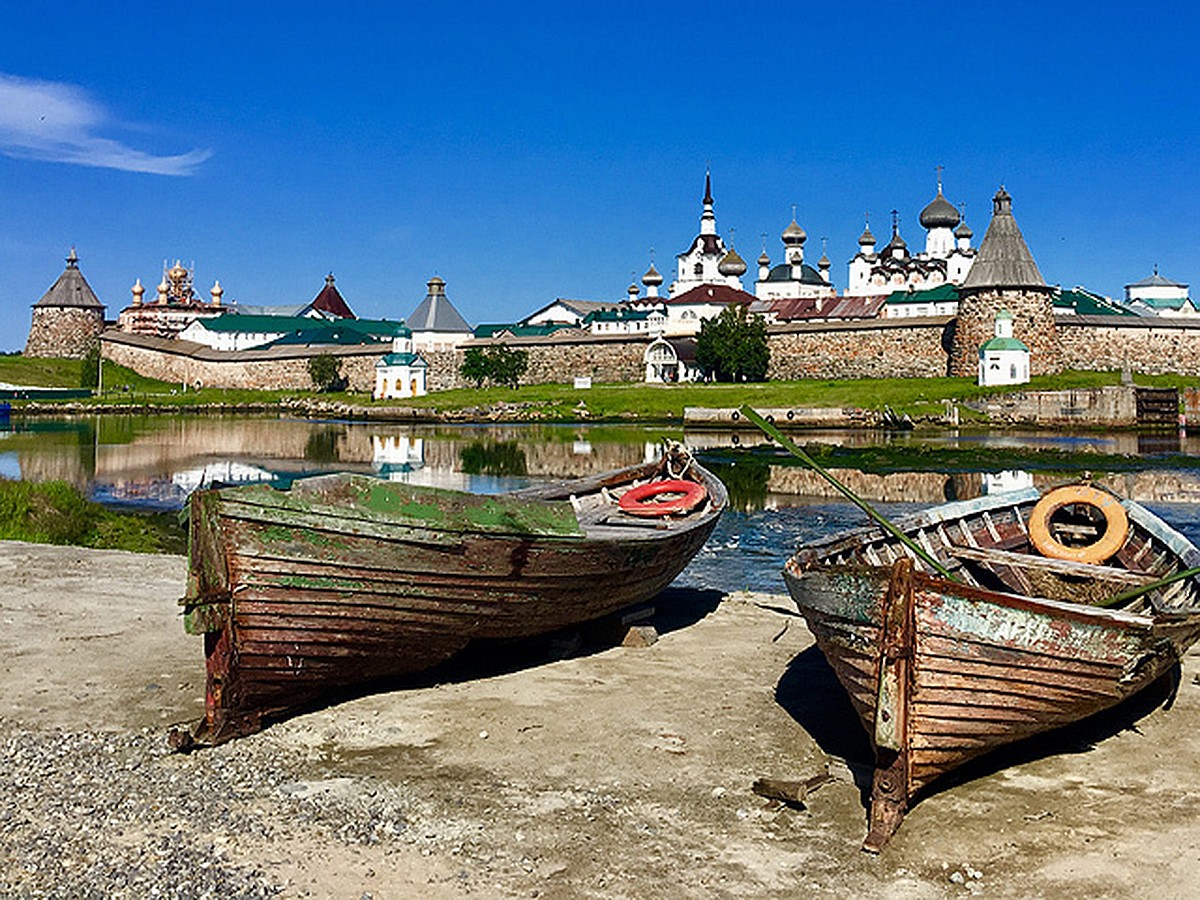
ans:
(899, 348)
(184, 362)
(905, 348)
(1149, 345)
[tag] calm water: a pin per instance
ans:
(156, 461)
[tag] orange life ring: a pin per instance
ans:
(1116, 524)
(640, 500)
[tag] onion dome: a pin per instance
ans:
(217, 291)
(940, 213)
(763, 259)
(823, 262)
(732, 264)
(652, 278)
(963, 230)
(633, 290)
(137, 290)
(866, 239)
(897, 242)
(177, 272)
(793, 235)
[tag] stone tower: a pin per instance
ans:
(1005, 277)
(67, 321)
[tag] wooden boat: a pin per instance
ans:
(344, 579)
(1015, 642)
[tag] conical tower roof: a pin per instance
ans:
(330, 301)
(1003, 258)
(436, 312)
(71, 288)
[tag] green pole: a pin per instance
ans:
(791, 447)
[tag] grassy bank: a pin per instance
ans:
(55, 512)
(917, 397)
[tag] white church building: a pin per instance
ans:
(946, 259)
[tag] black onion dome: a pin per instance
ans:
(939, 213)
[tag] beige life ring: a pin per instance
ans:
(1116, 524)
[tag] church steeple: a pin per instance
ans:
(708, 219)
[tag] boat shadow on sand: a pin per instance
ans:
(672, 610)
(811, 694)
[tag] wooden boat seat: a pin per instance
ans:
(1057, 579)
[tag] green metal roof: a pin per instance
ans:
(1086, 303)
(1003, 343)
(487, 331)
(943, 293)
(238, 323)
(616, 315)
(402, 359)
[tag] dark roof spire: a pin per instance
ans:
(708, 198)
(1003, 258)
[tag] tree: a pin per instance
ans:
(508, 365)
(733, 346)
(474, 366)
(89, 368)
(326, 373)
(498, 364)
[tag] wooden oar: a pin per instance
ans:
(791, 447)
(1123, 598)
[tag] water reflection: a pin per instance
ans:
(158, 460)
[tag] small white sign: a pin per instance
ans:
(582, 382)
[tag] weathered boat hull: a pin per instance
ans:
(345, 580)
(941, 672)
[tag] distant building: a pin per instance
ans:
(1004, 276)
(565, 312)
(706, 301)
(1003, 359)
(947, 258)
(671, 360)
(707, 261)
(328, 304)
(175, 307)
(793, 278)
(1079, 301)
(400, 375)
(236, 331)
(67, 321)
(939, 301)
(624, 320)
(1159, 296)
(436, 325)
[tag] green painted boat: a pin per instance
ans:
(342, 580)
(1004, 642)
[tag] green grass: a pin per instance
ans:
(626, 402)
(54, 512)
(914, 396)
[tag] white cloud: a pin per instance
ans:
(55, 122)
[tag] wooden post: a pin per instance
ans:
(890, 788)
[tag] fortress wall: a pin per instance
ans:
(1149, 345)
(911, 348)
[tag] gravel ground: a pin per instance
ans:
(613, 772)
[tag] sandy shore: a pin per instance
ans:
(612, 772)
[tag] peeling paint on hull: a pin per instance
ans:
(343, 580)
(942, 672)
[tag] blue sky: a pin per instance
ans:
(529, 151)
